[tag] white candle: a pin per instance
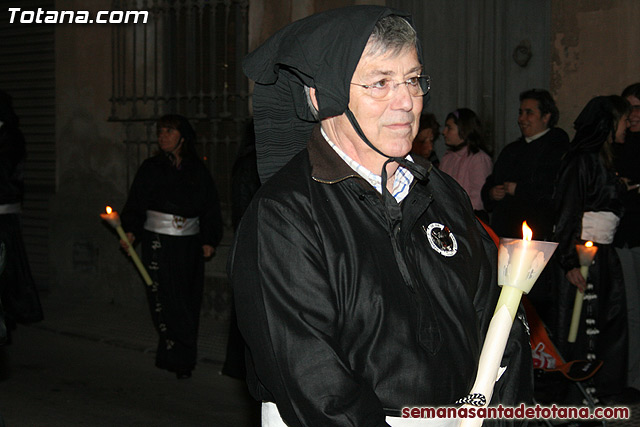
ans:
(520, 262)
(113, 219)
(586, 253)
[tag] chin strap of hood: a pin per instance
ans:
(419, 172)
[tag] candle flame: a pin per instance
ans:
(588, 244)
(108, 209)
(527, 234)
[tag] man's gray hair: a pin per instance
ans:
(391, 33)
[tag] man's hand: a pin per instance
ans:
(497, 193)
(510, 188)
(208, 251)
(126, 245)
(575, 278)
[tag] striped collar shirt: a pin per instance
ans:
(402, 178)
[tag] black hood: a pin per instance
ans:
(320, 51)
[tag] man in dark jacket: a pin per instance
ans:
(521, 185)
(363, 282)
(627, 239)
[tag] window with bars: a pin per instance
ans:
(187, 60)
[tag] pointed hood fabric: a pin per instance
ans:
(594, 124)
(320, 51)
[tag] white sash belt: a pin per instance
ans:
(599, 227)
(173, 225)
(10, 208)
(271, 418)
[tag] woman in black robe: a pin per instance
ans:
(588, 205)
(173, 205)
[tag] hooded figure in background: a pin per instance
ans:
(364, 284)
(18, 294)
(588, 208)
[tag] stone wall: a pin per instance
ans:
(595, 51)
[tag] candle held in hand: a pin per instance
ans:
(586, 253)
(112, 217)
(520, 263)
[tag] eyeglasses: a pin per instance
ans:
(418, 86)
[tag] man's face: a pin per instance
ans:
(423, 143)
(634, 116)
(391, 123)
(530, 119)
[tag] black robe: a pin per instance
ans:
(627, 164)
(585, 184)
(350, 315)
(175, 263)
(534, 167)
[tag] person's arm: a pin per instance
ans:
(289, 315)
(134, 212)
(479, 170)
(493, 192)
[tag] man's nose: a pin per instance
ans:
(402, 98)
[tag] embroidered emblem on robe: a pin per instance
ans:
(441, 239)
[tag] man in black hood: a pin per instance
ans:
(363, 282)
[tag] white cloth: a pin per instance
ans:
(599, 227)
(271, 418)
(172, 225)
(10, 208)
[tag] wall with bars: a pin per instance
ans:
(112, 83)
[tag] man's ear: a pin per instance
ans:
(546, 119)
(312, 95)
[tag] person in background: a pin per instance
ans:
(173, 208)
(363, 281)
(626, 159)
(521, 185)
(19, 300)
(428, 134)
(466, 159)
(588, 208)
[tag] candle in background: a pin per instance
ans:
(113, 219)
(586, 253)
(520, 263)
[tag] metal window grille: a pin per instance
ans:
(187, 60)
